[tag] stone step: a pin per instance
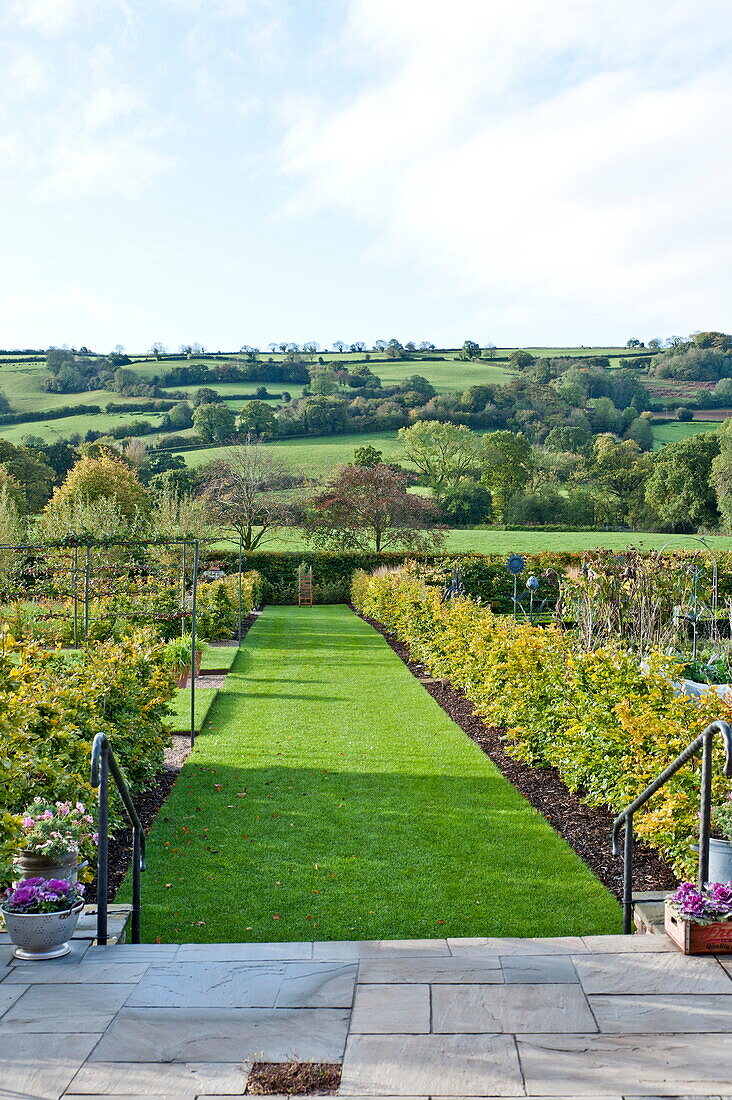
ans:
(648, 911)
(118, 920)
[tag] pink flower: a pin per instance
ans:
(28, 822)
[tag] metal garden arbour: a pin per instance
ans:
(82, 572)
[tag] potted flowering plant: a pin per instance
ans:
(179, 655)
(700, 921)
(41, 915)
(53, 833)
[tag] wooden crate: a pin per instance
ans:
(698, 939)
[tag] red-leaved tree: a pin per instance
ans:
(369, 508)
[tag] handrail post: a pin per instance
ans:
(103, 844)
(705, 808)
(628, 876)
(136, 869)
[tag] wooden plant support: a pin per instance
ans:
(305, 586)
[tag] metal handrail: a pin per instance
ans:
(703, 742)
(102, 763)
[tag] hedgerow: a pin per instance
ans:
(606, 724)
(52, 708)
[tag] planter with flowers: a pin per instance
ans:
(700, 921)
(53, 834)
(41, 915)
(179, 655)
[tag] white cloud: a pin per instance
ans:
(559, 163)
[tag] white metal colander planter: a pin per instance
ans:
(42, 935)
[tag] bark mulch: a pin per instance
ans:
(294, 1079)
(585, 828)
(149, 803)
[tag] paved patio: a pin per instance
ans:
(599, 1016)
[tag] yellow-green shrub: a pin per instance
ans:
(608, 726)
(52, 708)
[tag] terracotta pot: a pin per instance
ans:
(42, 935)
(184, 678)
(31, 864)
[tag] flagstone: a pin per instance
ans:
(510, 1008)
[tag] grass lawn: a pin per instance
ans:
(218, 656)
(329, 797)
(318, 454)
(671, 431)
(180, 720)
(531, 542)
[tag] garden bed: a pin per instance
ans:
(585, 828)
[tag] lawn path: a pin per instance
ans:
(329, 797)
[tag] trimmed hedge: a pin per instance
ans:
(607, 726)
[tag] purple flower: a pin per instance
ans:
(713, 903)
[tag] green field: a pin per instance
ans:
(478, 541)
(329, 797)
(671, 431)
(316, 455)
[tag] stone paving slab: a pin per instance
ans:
(433, 971)
(539, 969)
(662, 1065)
(663, 1013)
(623, 944)
(49, 1008)
(510, 1008)
(661, 973)
(562, 945)
(180, 1079)
(40, 1067)
(388, 1009)
(380, 949)
(9, 994)
(431, 1065)
(318, 985)
(224, 1035)
(244, 952)
(55, 972)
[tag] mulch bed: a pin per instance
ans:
(149, 803)
(585, 828)
(294, 1078)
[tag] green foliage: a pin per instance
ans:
(214, 423)
(608, 726)
(51, 710)
(680, 488)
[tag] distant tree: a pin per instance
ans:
(489, 351)
(655, 344)
(250, 493)
(394, 350)
(206, 396)
(684, 414)
(357, 345)
(521, 359)
(339, 345)
(506, 465)
(324, 415)
(310, 347)
(157, 349)
(180, 416)
(680, 488)
(250, 353)
(417, 383)
(720, 341)
(369, 508)
(367, 456)
(214, 423)
(258, 419)
(323, 381)
(379, 345)
(125, 379)
(466, 504)
(159, 462)
(470, 350)
(60, 456)
(33, 474)
(426, 345)
(443, 453)
(410, 346)
(568, 438)
(633, 343)
(641, 432)
(4, 403)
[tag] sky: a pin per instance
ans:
(234, 172)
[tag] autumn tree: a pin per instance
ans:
(369, 508)
(251, 494)
(105, 476)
